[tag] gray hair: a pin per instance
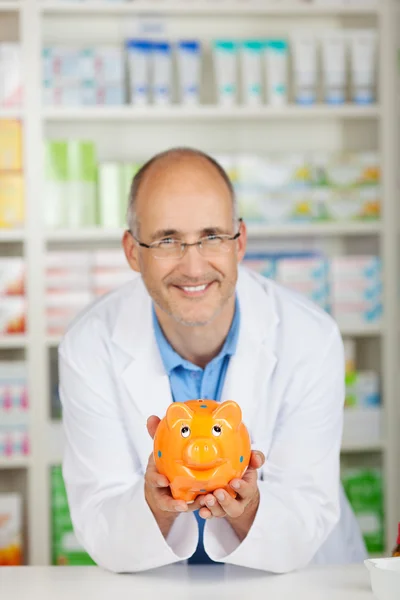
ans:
(179, 152)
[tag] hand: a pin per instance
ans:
(221, 504)
(157, 491)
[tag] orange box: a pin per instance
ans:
(11, 548)
(12, 315)
(10, 145)
(12, 205)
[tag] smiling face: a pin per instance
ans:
(186, 199)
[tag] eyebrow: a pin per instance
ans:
(162, 233)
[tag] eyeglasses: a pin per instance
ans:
(209, 245)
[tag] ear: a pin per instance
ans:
(131, 251)
(230, 412)
(178, 411)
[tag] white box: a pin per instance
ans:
(12, 315)
(12, 276)
(362, 426)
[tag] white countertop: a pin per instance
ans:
(184, 582)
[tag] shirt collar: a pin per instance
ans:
(172, 359)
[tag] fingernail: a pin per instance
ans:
(202, 501)
(235, 484)
(220, 496)
(161, 482)
(210, 502)
(180, 508)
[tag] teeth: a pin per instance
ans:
(197, 288)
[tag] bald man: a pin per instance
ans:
(195, 324)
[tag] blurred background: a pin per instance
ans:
(298, 100)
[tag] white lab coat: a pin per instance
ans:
(288, 377)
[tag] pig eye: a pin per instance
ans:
(185, 431)
(216, 430)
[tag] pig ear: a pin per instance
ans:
(176, 412)
(229, 411)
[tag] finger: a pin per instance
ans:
(257, 459)
(196, 505)
(205, 513)
(167, 503)
(152, 477)
(155, 480)
(232, 507)
(245, 488)
(152, 424)
(211, 503)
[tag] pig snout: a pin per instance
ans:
(201, 453)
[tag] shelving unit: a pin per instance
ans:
(209, 113)
(254, 232)
(241, 128)
(254, 8)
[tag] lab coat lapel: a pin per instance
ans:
(251, 367)
(144, 375)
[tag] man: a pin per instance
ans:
(195, 325)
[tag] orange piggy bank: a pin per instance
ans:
(201, 445)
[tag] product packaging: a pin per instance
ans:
(225, 54)
(189, 63)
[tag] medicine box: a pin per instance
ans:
(12, 315)
(10, 145)
(11, 545)
(12, 208)
(12, 277)
(66, 549)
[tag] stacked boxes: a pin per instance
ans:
(363, 415)
(109, 271)
(74, 279)
(79, 192)
(83, 76)
(272, 189)
(11, 176)
(114, 184)
(66, 550)
(347, 186)
(11, 546)
(14, 410)
(348, 287)
(364, 489)
(68, 290)
(307, 276)
(12, 296)
(284, 188)
(70, 184)
(356, 290)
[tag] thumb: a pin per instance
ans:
(257, 459)
(152, 424)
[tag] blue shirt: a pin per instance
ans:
(190, 382)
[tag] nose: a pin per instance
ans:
(192, 262)
(200, 452)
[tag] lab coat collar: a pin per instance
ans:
(249, 368)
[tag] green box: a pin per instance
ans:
(364, 489)
(66, 549)
(82, 210)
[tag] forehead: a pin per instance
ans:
(186, 187)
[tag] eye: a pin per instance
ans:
(167, 243)
(213, 240)
(185, 431)
(216, 430)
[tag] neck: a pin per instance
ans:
(199, 345)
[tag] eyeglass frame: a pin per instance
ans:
(185, 245)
